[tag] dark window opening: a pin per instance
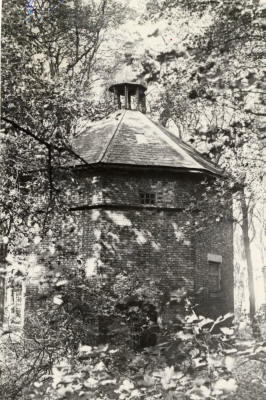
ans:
(148, 198)
(214, 276)
(3, 252)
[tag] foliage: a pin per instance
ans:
(207, 88)
(195, 362)
(48, 61)
(70, 308)
(214, 91)
(66, 352)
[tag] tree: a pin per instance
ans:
(48, 69)
(48, 61)
(215, 92)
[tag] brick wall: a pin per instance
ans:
(151, 243)
(215, 239)
(156, 242)
(115, 233)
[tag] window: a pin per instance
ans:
(16, 300)
(147, 198)
(15, 304)
(214, 276)
(3, 252)
(214, 264)
(2, 299)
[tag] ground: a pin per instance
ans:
(251, 380)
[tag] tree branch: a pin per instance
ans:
(26, 131)
(258, 114)
(85, 53)
(50, 173)
(44, 142)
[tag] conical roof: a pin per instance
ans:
(127, 75)
(130, 138)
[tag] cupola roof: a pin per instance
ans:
(130, 138)
(127, 77)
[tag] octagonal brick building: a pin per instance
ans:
(135, 179)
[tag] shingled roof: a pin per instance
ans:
(131, 138)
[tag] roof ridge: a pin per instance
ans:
(111, 139)
(170, 141)
(186, 147)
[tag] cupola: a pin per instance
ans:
(129, 93)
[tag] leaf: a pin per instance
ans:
(191, 318)
(113, 351)
(99, 367)
(169, 377)
(229, 363)
(37, 239)
(102, 348)
(38, 384)
(227, 386)
(135, 394)
(227, 331)
(58, 300)
(260, 349)
(85, 350)
(205, 321)
(230, 351)
(126, 386)
(194, 352)
(62, 283)
(184, 336)
(199, 362)
(91, 383)
(227, 316)
(108, 382)
(203, 392)
(148, 380)
(214, 361)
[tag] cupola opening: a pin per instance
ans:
(129, 96)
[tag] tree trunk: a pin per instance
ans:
(246, 241)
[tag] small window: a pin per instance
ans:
(3, 252)
(214, 276)
(147, 198)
